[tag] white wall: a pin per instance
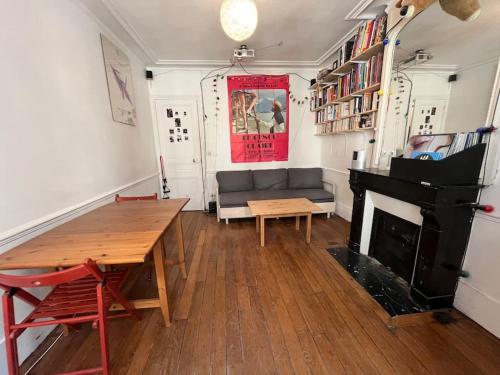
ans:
(336, 157)
(185, 83)
(479, 295)
(470, 97)
(60, 151)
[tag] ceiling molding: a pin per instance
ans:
(106, 30)
(354, 14)
(130, 29)
(213, 63)
(431, 68)
(358, 9)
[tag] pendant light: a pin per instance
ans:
(238, 18)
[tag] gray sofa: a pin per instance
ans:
(235, 188)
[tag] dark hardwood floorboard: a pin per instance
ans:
(287, 308)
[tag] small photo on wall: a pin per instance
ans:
(170, 113)
(178, 122)
(171, 139)
(171, 131)
(185, 131)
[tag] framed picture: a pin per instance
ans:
(119, 78)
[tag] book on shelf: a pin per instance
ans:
(362, 76)
(323, 96)
(367, 35)
(345, 52)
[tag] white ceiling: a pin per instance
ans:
(451, 41)
(172, 31)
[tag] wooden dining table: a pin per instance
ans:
(113, 234)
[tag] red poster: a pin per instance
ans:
(258, 118)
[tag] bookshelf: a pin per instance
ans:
(345, 98)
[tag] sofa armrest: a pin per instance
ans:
(330, 187)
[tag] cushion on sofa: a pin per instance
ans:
(240, 198)
(305, 178)
(270, 179)
(230, 181)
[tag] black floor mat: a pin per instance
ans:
(389, 290)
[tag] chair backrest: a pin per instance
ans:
(52, 278)
(153, 197)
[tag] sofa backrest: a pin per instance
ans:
(305, 178)
(270, 179)
(230, 181)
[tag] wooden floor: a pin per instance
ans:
(285, 308)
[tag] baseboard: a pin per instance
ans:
(344, 211)
(478, 306)
(20, 233)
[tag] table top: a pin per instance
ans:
(282, 206)
(116, 233)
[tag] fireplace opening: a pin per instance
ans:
(394, 243)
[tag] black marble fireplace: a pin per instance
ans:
(394, 243)
(427, 254)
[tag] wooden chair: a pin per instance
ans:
(81, 294)
(153, 197)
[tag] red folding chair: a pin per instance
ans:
(153, 197)
(81, 294)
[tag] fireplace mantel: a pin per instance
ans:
(447, 214)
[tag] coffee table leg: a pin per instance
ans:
(262, 230)
(257, 224)
(297, 222)
(308, 231)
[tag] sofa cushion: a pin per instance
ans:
(240, 198)
(305, 178)
(230, 181)
(270, 179)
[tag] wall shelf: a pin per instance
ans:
(362, 57)
(346, 98)
(345, 131)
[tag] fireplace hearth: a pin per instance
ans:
(387, 288)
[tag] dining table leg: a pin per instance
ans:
(180, 245)
(161, 280)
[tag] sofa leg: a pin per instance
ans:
(227, 221)
(328, 214)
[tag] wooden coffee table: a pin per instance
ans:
(268, 209)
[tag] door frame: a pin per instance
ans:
(156, 134)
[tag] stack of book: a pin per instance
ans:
(370, 33)
(462, 141)
(345, 52)
(353, 123)
(362, 76)
(323, 96)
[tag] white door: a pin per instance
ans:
(177, 123)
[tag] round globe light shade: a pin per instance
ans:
(238, 18)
